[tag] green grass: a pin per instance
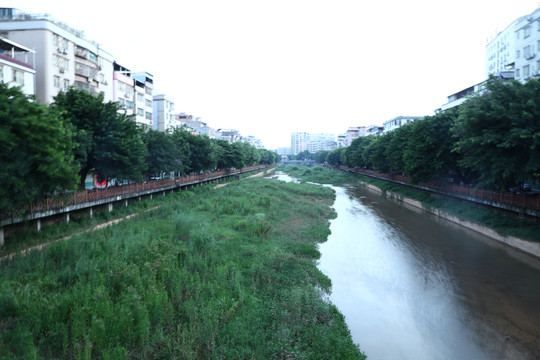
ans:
(505, 223)
(228, 273)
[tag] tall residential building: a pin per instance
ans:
(302, 141)
(64, 57)
(298, 142)
(528, 46)
(16, 66)
(143, 100)
(164, 117)
(516, 48)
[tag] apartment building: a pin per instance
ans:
(64, 57)
(17, 66)
(397, 122)
(302, 141)
(196, 125)
(527, 34)
(516, 48)
(164, 117)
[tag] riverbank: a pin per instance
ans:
(519, 233)
(211, 273)
(528, 247)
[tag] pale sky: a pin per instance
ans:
(269, 68)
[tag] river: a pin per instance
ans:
(413, 286)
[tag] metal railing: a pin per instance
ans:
(507, 199)
(112, 192)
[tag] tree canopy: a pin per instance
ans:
(36, 154)
(107, 140)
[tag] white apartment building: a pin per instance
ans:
(230, 135)
(164, 117)
(397, 122)
(143, 99)
(516, 48)
(302, 141)
(197, 126)
(299, 142)
(16, 66)
(527, 34)
(64, 57)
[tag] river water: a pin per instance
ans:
(412, 286)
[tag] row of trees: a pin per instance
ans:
(49, 149)
(492, 139)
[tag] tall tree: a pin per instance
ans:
(35, 151)
(108, 140)
(498, 133)
(161, 152)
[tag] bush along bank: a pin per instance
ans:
(225, 273)
(494, 223)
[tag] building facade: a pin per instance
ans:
(302, 141)
(527, 34)
(516, 48)
(397, 122)
(64, 57)
(16, 66)
(164, 116)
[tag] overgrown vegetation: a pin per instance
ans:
(211, 274)
(502, 222)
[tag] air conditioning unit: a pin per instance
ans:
(100, 67)
(90, 80)
(64, 51)
(62, 70)
(60, 50)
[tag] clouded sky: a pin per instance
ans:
(268, 68)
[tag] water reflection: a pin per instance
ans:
(414, 287)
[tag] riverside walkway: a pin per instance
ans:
(87, 200)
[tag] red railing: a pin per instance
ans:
(508, 199)
(94, 195)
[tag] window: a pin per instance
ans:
(122, 102)
(56, 81)
(1, 73)
(527, 52)
(140, 112)
(140, 97)
(148, 103)
(18, 77)
(56, 41)
(148, 115)
(526, 71)
(148, 91)
(527, 32)
(517, 54)
(517, 74)
(66, 84)
(121, 87)
(129, 105)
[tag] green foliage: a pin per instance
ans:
(334, 157)
(107, 140)
(195, 279)
(162, 154)
(35, 151)
(498, 133)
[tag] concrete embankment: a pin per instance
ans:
(531, 248)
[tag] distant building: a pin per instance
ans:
(196, 126)
(353, 133)
(64, 57)
(374, 130)
(229, 135)
(302, 141)
(397, 122)
(163, 116)
(16, 66)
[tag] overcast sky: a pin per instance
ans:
(268, 68)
